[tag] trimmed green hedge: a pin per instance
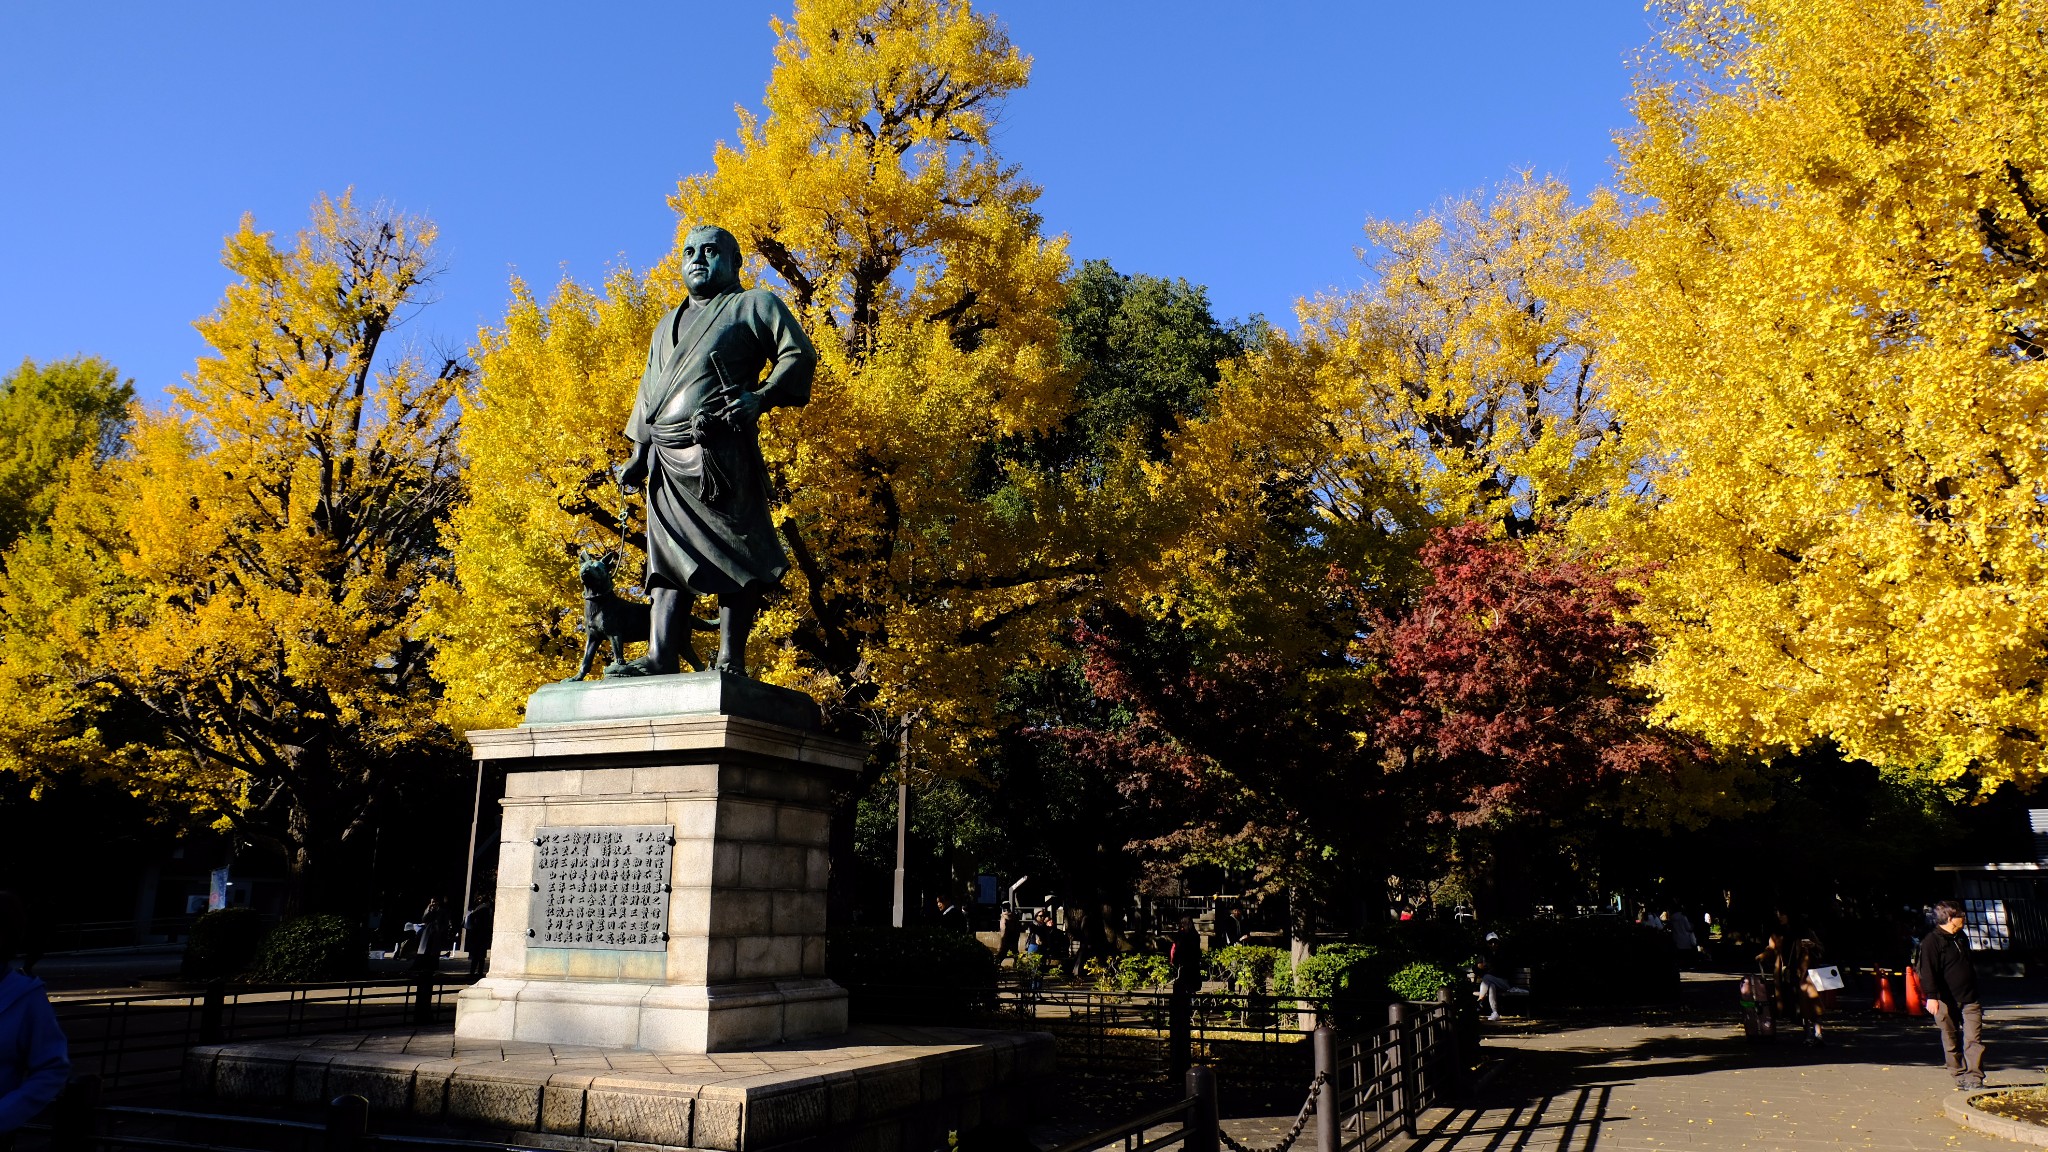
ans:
(313, 948)
(919, 974)
(223, 944)
(1421, 980)
(1340, 969)
(1255, 969)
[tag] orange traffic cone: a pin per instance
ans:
(1885, 1002)
(1915, 1005)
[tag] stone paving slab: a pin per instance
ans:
(875, 1087)
(1877, 1085)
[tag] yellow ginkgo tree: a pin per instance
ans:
(1833, 339)
(226, 616)
(1459, 383)
(929, 554)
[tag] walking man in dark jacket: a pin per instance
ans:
(952, 917)
(1949, 981)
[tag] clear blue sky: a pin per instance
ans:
(1240, 146)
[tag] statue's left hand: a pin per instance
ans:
(744, 409)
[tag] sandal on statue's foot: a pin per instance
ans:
(640, 667)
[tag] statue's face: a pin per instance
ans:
(708, 264)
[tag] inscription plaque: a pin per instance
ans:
(601, 886)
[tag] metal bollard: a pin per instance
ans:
(1452, 1064)
(1202, 1133)
(423, 1002)
(1404, 1066)
(1180, 1033)
(1329, 1125)
(211, 1011)
(348, 1120)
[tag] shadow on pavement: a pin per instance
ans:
(1569, 1121)
(1558, 1086)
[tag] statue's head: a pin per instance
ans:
(711, 260)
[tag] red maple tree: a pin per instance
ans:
(1505, 679)
(1498, 689)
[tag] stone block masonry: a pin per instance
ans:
(873, 1088)
(743, 906)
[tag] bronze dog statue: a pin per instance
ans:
(617, 621)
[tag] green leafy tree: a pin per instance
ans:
(49, 414)
(1147, 353)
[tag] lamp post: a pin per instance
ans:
(902, 814)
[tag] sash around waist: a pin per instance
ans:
(680, 434)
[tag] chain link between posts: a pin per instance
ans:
(1308, 1106)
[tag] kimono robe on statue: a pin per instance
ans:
(708, 529)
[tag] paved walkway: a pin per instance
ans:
(1681, 1084)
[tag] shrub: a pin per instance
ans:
(1334, 968)
(1352, 976)
(910, 974)
(1420, 980)
(1138, 971)
(1253, 968)
(1096, 974)
(223, 944)
(312, 948)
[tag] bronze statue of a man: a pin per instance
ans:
(696, 451)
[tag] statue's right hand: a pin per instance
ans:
(632, 474)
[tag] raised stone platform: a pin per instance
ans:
(662, 868)
(688, 694)
(881, 1088)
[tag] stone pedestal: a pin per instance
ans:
(872, 1090)
(740, 773)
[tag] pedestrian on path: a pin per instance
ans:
(476, 933)
(1492, 985)
(1813, 1001)
(1949, 981)
(1184, 954)
(433, 936)
(952, 917)
(1682, 938)
(1010, 927)
(35, 1062)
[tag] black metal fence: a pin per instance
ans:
(135, 1044)
(1255, 1042)
(1373, 1084)
(1189, 1123)
(85, 935)
(1370, 1086)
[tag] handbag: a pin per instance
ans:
(1828, 979)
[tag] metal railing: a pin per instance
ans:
(1222, 1015)
(86, 935)
(1375, 1083)
(1369, 1088)
(136, 1044)
(1189, 1123)
(1252, 1038)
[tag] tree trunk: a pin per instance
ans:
(1301, 940)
